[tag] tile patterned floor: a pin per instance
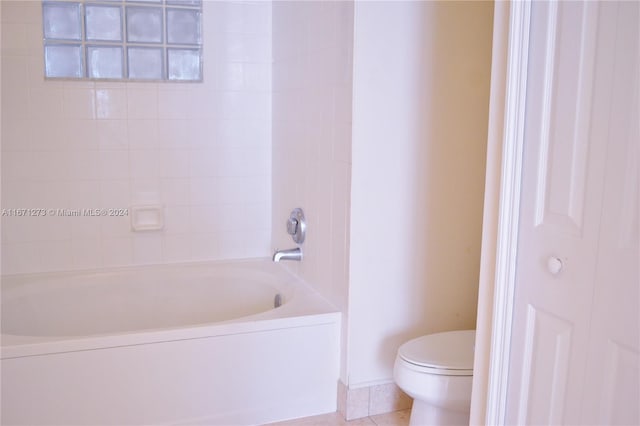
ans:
(397, 418)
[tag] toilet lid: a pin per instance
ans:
(451, 350)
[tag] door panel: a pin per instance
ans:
(546, 366)
(574, 349)
(612, 388)
(565, 115)
(619, 402)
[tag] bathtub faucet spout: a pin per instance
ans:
(291, 254)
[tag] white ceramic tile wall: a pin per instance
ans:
(203, 150)
(312, 92)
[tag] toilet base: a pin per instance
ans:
(423, 414)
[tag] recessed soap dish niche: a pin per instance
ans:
(147, 217)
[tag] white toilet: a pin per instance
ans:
(436, 371)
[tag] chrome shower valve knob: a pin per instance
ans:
(292, 226)
(296, 225)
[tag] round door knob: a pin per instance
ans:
(554, 265)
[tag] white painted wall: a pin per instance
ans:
(420, 111)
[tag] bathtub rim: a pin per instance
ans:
(303, 307)
(39, 286)
(55, 275)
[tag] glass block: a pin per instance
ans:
(104, 61)
(183, 26)
(145, 63)
(103, 23)
(144, 24)
(61, 21)
(184, 64)
(185, 2)
(63, 60)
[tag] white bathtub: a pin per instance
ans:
(184, 344)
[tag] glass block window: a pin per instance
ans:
(123, 39)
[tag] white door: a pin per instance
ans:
(576, 320)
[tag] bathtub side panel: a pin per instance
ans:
(248, 378)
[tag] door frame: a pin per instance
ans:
(509, 209)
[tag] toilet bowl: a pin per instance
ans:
(436, 370)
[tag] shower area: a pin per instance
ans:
(200, 151)
(220, 162)
(111, 181)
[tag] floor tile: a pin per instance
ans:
(331, 419)
(396, 418)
